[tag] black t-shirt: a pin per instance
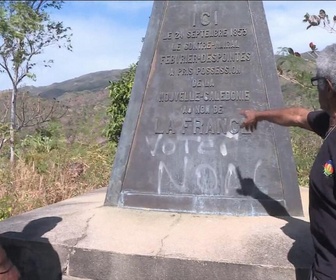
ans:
(322, 199)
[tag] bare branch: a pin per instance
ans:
(5, 113)
(292, 80)
(5, 67)
(4, 128)
(21, 117)
(2, 142)
(39, 4)
(33, 113)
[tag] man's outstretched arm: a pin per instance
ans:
(285, 117)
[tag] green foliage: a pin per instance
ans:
(295, 73)
(305, 145)
(36, 147)
(298, 71)
(26, 29)
(4, 133)
(4, 129)
(119, 93)
(40, 144)
(5, 208)
(44, 140)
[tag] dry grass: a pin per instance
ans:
(305, 145)
(65, 173)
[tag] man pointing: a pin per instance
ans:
(322, 179)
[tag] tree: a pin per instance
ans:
(120, 92)
(34, 111)
(26, 29)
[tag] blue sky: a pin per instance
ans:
(108, 35)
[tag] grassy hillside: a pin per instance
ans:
(89, 83)
(298, 92)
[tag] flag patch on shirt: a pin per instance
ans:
(328, 168)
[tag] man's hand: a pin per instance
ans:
(250, 122)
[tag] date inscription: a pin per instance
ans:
(202, 54)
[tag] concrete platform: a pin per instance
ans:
(80, 238)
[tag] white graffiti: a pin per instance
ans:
(223, 149)
(168, 146)
(227, 183)
(206, 177)
(232, 136)
(171, 179)
(163, 167)
(153, 151)
(255, 170)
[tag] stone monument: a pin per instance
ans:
(181, 147)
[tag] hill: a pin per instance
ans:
(294, 76)
(92, 82)
(84, 99)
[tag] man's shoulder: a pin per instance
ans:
(318, 120)
(318, 115)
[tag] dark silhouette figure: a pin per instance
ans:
(32, 254)
(296, 229)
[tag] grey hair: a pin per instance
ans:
(326, 64)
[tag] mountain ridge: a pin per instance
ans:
(91, 82)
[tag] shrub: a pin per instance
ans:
(119, 93)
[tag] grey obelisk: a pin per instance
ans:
(181, 147)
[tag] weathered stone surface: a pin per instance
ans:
(181, 147)
(85, 240)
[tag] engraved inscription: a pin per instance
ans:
(205, 18)
(198, 125)
(205, 45)
(203, 53)
(203, 109)
(223, 95)
(205, 58)
(206, 33)
(206, 71)
(202, 83)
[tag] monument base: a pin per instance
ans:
(80, 238)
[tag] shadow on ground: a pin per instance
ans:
(296, 229)
(31, 253)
